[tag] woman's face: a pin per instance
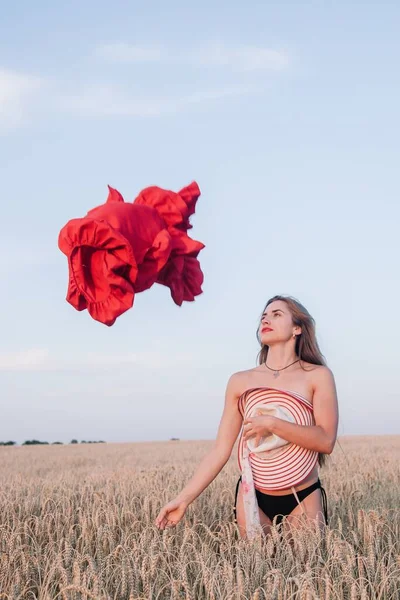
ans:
(276, 323)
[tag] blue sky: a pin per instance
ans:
(286, 114)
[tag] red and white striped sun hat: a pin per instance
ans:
(275, 463)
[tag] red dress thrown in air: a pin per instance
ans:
(119, 249)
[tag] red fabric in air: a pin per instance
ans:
(119, 249)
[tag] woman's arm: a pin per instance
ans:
(325, 406)
(320, 437)
(218, 456)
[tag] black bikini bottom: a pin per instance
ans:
(283, 505)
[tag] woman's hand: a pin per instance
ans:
(171, 514)
(258, 427)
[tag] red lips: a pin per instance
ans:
(266, 329)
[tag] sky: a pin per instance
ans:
(286, 114)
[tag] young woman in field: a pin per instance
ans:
(293, 375)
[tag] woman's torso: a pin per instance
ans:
(299, 381)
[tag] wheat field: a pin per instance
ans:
(77, 522)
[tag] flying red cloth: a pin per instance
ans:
(119, 249)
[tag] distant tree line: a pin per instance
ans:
(38, 442)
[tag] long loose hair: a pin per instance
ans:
(306, 349)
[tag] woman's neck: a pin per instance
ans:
(280, 356)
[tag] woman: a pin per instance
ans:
(291, 368)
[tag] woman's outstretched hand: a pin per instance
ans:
(171, 514)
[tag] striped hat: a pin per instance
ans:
(275, 464)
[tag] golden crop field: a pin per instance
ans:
(77, 522)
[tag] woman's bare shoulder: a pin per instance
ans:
(313, 374)
(241, 380)
(319, 376)
(322, 373)
(314, 368)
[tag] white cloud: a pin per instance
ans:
(242, 58)
(216, 94)
(92, 100)
(109, 100)
(24, 360)
(41, 359)
(16, 93)
(23, 95)
(126, 53)
(112, 100)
